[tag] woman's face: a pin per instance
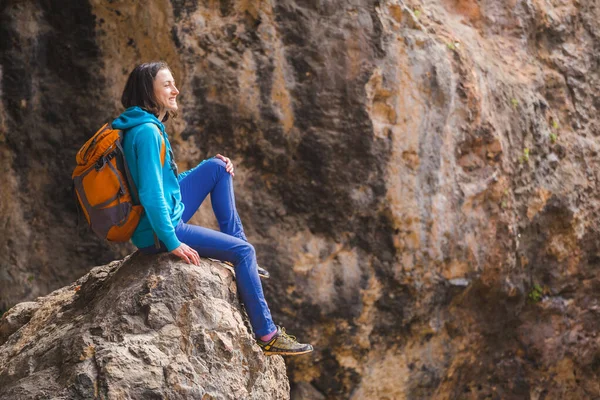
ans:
(165, 90)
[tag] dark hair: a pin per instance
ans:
(139, 89)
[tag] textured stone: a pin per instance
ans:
(145, 327)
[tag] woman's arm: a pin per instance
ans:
(148, 143)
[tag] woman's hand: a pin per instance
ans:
(228, 163)
(187, 254)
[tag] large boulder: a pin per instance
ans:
(143, 328)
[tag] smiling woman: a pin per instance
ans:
(170, 199)
(165, 90)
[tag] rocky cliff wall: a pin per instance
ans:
(420, 176)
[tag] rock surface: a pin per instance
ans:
(419, 176)
(143, 328)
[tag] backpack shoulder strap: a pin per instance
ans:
(163, 147)
(128, 176)
(163, 152)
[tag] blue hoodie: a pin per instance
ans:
(157, 184)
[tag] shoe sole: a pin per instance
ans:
(229, 266)
(286, 353)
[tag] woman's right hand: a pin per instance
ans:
(187, 254)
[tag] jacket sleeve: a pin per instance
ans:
(150, 187)
(185, 173)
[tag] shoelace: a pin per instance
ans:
(284, 334)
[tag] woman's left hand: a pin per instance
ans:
(228, 163)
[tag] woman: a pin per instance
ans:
(170, 199)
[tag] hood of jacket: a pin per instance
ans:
(135, 116)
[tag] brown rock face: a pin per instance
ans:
(420, 177)
(143, 328)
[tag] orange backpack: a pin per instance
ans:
(104, 187)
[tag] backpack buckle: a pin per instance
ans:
(99, 164)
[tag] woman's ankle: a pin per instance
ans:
(268, 337)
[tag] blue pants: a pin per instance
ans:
(228, 245)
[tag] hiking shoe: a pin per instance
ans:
(263, 273)
(283, 344)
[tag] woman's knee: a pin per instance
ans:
(216, 163)
(215, 168)
(245, 252)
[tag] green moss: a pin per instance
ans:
(514, 102)
(553, 138)
(525, 156)
(536, 293)
(417, 13)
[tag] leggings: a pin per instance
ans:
(228, 245)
